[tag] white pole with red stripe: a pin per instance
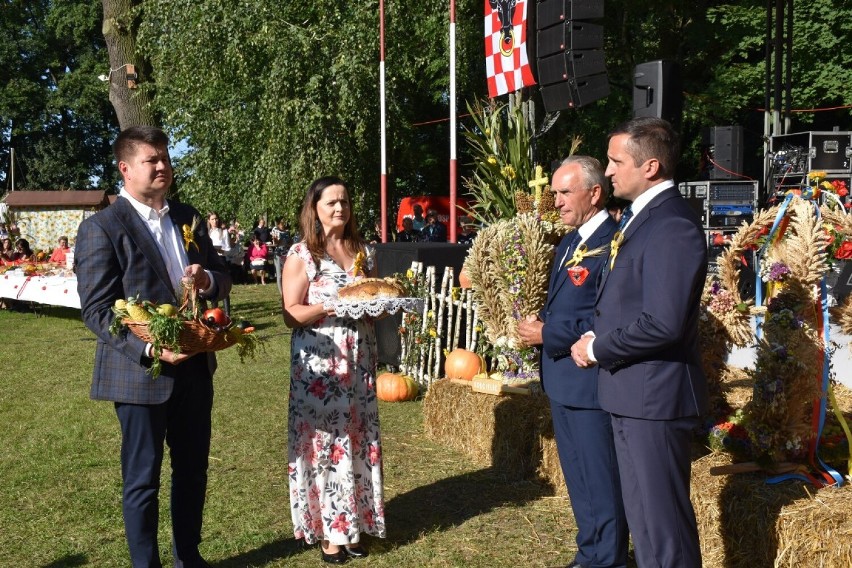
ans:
(383, 136)
(453, 224)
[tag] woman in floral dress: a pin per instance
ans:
(334, 445)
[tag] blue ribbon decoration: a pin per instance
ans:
(823, 400)
(758, 260)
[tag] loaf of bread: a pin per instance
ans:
(371, 289)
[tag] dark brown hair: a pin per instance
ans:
(128, 139)
(312, 233)
(650, 137)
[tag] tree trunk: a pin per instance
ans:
(132, 106)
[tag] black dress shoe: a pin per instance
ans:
(574, 564)
(356, 551)
(339, 557)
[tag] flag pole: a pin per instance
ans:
(453, 175)
(383, 136)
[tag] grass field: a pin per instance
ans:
(60, 490)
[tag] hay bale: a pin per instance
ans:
(742, 520)
(502, 432)
(738, 386)
(745, 522)
(550, 469)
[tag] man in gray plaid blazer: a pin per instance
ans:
(136, 247)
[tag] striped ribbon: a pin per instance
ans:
(829, 475)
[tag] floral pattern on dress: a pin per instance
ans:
(334, 445)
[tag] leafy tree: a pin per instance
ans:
(269, 98)
(53, 110)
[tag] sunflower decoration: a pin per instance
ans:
(189, 233)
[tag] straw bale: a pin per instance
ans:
(745, 522)
(492, 430)
(742, 520)
(503, 432)
(738, 385)
(550, 469)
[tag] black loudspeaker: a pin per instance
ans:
(575, 92)
(722, 152)
(570, 64)
(657, 90)
(569, 36)
(552, 12)
(392, 258)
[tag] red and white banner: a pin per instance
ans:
(507, 66)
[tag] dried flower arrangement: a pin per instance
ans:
(792, 367)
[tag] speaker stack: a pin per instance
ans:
(569, 53)
(722, 152)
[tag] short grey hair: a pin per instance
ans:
(593, 171)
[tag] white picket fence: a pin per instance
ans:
(449, 315)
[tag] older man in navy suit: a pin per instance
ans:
(582, 430)
(645, 341)
(136, 247)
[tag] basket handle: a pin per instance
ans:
(190, 299)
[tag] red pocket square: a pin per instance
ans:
(578, 274)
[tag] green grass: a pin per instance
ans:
(60, 495)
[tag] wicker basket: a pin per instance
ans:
(195, 336)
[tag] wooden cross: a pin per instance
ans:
(540, 180)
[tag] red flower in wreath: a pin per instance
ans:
(845, 251)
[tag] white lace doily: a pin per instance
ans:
(375, 308)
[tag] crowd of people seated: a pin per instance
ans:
(256, 256)
(16, 250)
(419, 228)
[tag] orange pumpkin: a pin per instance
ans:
(463, 364)
(395, 387)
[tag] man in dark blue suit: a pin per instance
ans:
(137, 247)
(582, 430)
(645, 342)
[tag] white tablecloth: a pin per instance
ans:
(51, 290)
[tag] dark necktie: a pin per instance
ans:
(625, 217)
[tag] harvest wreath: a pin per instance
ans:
(792, 408)
(182, 330)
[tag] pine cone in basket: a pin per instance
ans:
(371, 289)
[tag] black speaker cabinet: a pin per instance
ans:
(657, 90)
(722, 147)
(574, 93)
(570, 65)
(569, 36)
(392, 258)
(552, 12)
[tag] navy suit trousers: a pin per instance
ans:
(587, 456)
(654, 461)
(184, 422)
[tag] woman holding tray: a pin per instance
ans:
(333, 444)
